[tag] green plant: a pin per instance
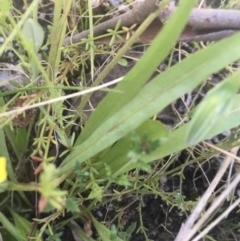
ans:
(53, 236)
(120, 143)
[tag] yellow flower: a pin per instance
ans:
(3, 169)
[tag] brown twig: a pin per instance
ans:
(203, 24)
(205, 36)
(206, 24)
(137, 15)
(207, 19)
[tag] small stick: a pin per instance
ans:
(217, 23)
(211, 36)
(207, 19)
(186, 231)
(135, 16)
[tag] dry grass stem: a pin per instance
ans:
(79, 93)
(217, 220)
(186, 231)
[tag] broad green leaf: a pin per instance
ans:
(177, 140)
(34, 36)
(216, 104)
(5, 9)
(72, 206)
(138, 76)
(123, 62)
(154, 130)
(155, 96)
(34, 33)
(123, 180)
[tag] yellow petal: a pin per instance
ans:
(3, 169)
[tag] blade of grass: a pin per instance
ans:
(176, 140)
(6, 132)
(155, 96)
(79, 232)
(120, 53)
(133, 82)
(21, 224)
(11, 36)
(91, 43)
(10, 227)
(103, 231)
(150, 131)
(57, 35)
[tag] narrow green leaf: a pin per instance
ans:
(6, 235)
(21, 140)
(138, 76)
(155, 96)
(10, 227)
(103, 232)
(15, 31)
(113, 232)
(4, 153)
(10, 135)
(21, 224)
(123, 50)
(79, 232)
(177, 140)
(131, 228)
